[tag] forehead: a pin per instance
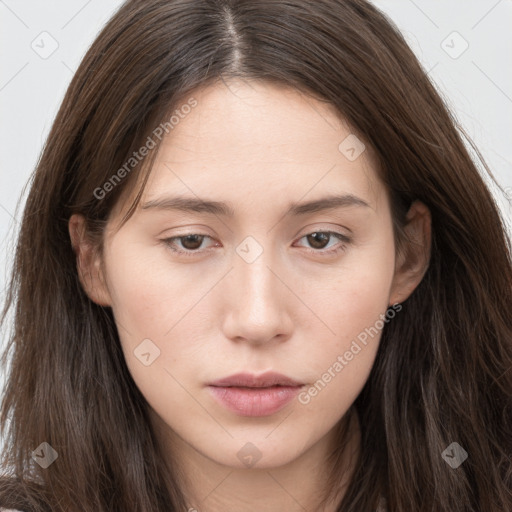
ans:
(258, 141)
(256, 121)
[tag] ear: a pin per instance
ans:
(89, 263)
(413, 261)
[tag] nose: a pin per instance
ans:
(257, 302)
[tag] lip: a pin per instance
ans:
(250, 380)
(255, 395)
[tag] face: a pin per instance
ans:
(263, 283)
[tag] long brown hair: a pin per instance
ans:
(443, 372)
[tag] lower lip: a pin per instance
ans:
(255, 401)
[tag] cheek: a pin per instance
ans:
(351, 297)
(155, 331)
(137, 300)
(148, 293)
(353, 305)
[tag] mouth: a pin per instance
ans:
(251, 395)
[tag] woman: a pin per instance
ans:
(258, 270)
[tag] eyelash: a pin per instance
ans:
(189, 253)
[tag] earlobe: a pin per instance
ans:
(414, 260)
(89, 268)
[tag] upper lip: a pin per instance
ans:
(256, 381)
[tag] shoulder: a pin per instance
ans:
(8, 510)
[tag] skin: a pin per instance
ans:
(294, 309)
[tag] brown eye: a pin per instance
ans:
(318, 241)
(190, 244)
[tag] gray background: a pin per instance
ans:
(42, 43)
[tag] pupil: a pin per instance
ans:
(192, 238)
(314, 237)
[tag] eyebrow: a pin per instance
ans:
(193, 204)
